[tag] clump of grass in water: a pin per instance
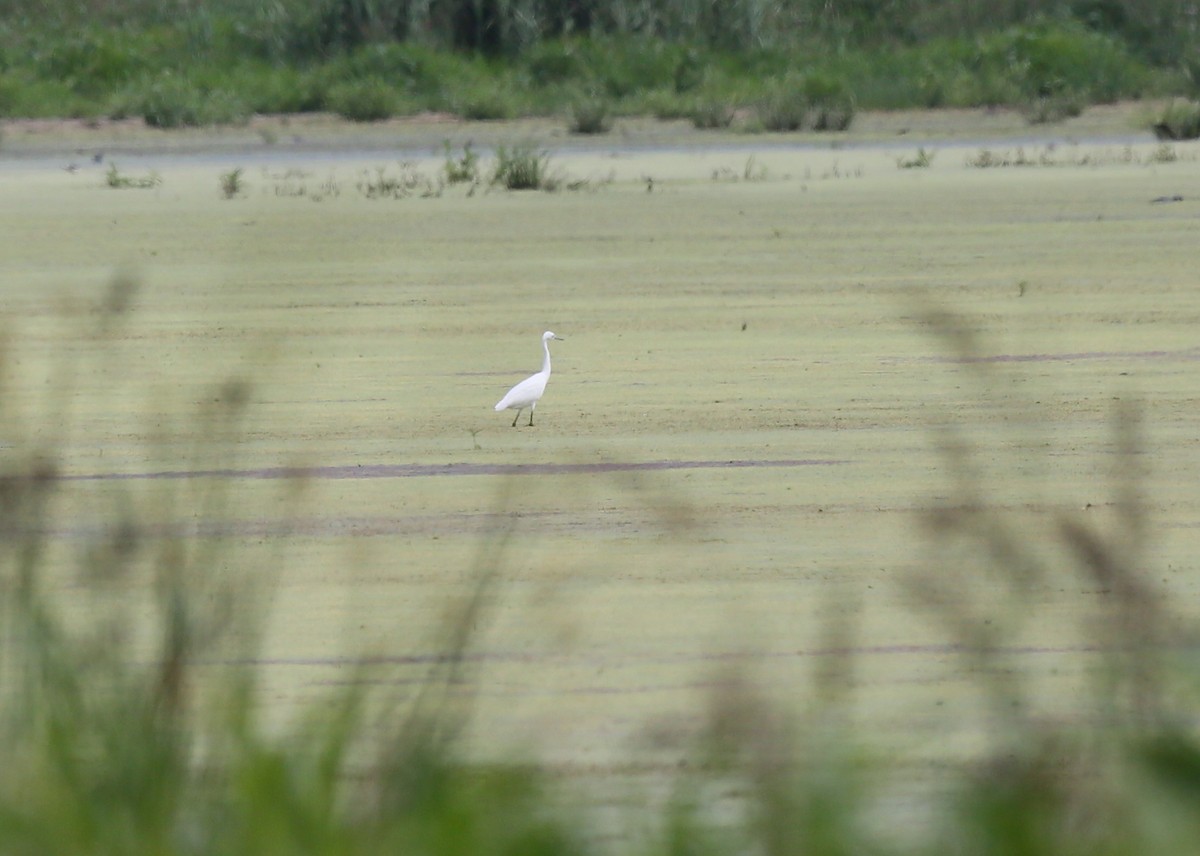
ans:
(231, 183)
(116, 179)
(923, 159)
(463, 169)
(524, 167)
(406, 181)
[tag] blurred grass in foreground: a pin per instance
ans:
(114, 744)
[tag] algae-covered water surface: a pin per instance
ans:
(782, 367)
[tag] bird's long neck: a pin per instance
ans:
(546, 360)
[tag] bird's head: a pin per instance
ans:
(547, 336)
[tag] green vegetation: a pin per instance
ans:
(168, 101)
(784, 108)
(199, 64)
(367, 100)
(1051, 156)
(523, 167)
(921, 160)
(463, 169)
(1179, 121)
(405, 181)
(231, 183)
(590, 116)
(117, 179)
(711, 114)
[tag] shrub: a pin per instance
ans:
(621, 67)
(21, 96)
(169, 101)
(1060, 61)
(413, 72)
(280, 90)
(783, 108)
(707, 114)
(93, 61)
(1179, 121)
(10, 93)
(690, 71)
(486, 103)
(554, 62)
(1055, 108)
(830, 102)
(590, 116)
(368, 100)
(818, 101)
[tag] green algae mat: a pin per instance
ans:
(822, 418)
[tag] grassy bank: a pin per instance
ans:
(769, 67)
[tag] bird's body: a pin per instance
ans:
(528, 392)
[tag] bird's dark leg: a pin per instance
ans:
(515, 418)
(530, 418)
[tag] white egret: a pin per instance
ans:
(529, 391)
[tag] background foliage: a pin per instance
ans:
(187, 62)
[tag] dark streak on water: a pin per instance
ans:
(394, 471)
(935, 649)
(1185, 354)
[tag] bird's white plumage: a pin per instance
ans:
(528, 392)
(524, 394)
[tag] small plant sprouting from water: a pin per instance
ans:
(923, 159)
(403, 182)
(117, 179)
(752, 170)
(463, 169)
(293, 183)
(231, 183)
